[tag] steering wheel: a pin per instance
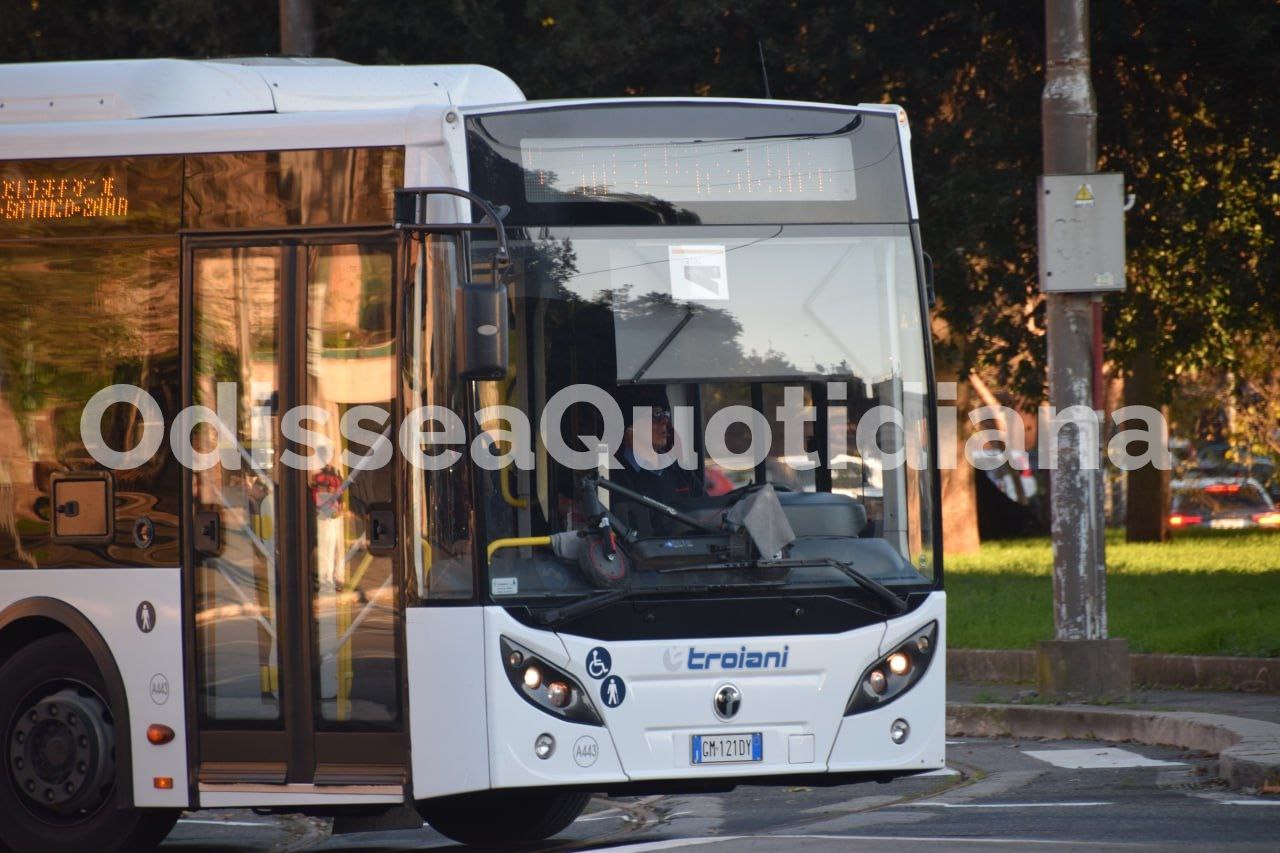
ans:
(742, 490)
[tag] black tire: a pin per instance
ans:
(494, 817)
(52, 667)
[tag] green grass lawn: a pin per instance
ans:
(1209, 593)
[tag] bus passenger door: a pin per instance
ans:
(293, 570)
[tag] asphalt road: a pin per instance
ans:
(1005, 794)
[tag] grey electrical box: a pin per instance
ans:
(1081, 232)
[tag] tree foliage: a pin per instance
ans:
(1184, 92)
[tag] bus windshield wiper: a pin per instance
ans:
(896, 603)
(664, 343)
(583, 606)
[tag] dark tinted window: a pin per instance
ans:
(271, 189)
(80, 316)
(688, 164)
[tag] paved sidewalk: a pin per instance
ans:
(1241, 729)
(1252, 706)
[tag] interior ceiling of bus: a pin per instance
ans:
(156, 88)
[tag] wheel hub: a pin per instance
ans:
(63, 751)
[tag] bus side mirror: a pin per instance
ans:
(482, 331)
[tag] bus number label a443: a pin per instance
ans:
(41, 198)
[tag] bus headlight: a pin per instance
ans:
(892, 675)
(546, 687)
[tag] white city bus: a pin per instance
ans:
(267, 541)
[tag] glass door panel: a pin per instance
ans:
(351, 508)
(295, 574)
(235, 365)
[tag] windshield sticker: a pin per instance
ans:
(505, 586)
(698, 272)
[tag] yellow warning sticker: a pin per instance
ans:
(1084, 196)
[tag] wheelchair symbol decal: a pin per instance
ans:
(599, 663)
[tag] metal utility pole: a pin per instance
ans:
(297, 28)
(1080, 220)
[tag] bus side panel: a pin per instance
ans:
(138, 612)
(863, 743)
(448, 717)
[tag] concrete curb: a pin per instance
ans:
(1195, 672)
(1248, 750)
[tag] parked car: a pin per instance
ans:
(1016, 477)
(1221, 460)
(1222, 503)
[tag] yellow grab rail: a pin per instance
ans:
(517, 542)
(508, 494)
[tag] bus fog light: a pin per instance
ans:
(877, 681)
(533, 678)
(899, 663)
(899, 730)
(544, 746)
(515, 659)
(559, 694)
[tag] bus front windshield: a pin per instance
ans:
(711, 408)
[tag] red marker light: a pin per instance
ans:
(1222, 488)
(1268, 519)
(1179, 520)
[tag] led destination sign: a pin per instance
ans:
(41, 198)
(689, 170)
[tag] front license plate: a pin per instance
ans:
(723, 749)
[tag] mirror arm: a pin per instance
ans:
(411, 215)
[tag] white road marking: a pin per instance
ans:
(950, 841)
(1099, 758)
(942, 771)
(260, 824)
(1249, 802)
(670, 844)
(926, 803)
(956, 742)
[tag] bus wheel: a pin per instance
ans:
(58, 751)
(492, 817)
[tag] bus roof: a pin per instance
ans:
(113, 90)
